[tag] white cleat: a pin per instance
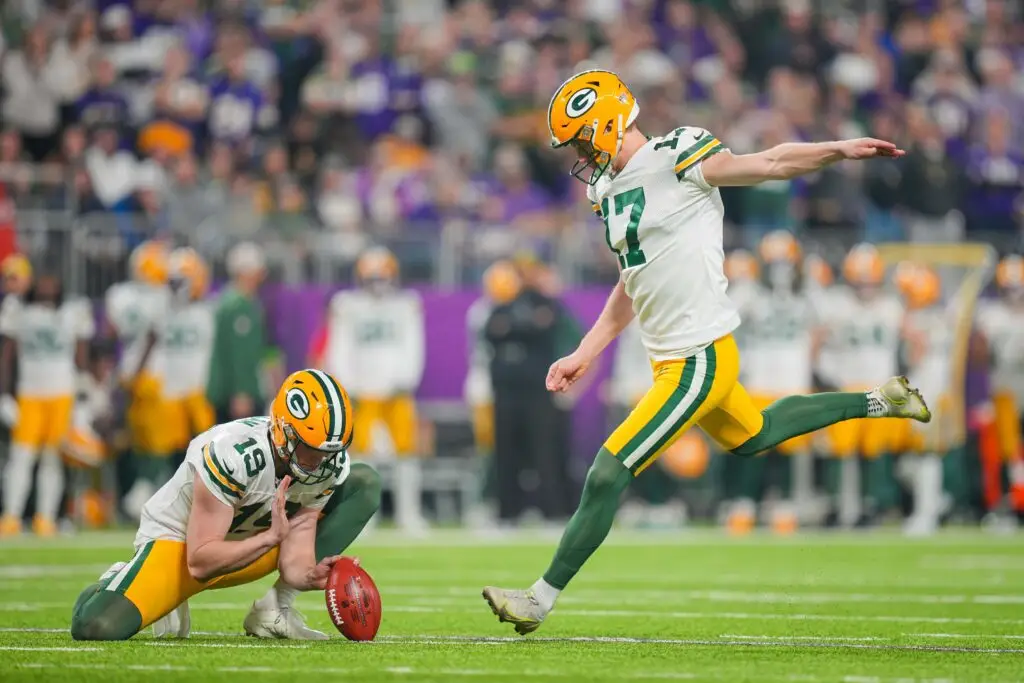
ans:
(902, 400)
(175, 624)
(279, 623)
(517, 607)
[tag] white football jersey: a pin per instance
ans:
(777, 335)
(477, 389)
(135, 309)
(864, 334)
(234, 461)
(375, 344)
(932, 372)
(631, 369)
(186, 342)
(1003, 327)
(828, 364)
(664, 223)
(46, 339)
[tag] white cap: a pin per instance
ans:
(245, 257)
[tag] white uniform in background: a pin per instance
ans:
(1003, 327)
(186, 344)
(477, 389)
(631, 369)
(46, 339)
(135, 309)
(375, 347)
(777, 336)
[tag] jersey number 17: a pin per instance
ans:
(635, 201)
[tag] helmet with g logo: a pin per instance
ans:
(591, 111)
(312, 408)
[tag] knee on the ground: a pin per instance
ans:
(106, 616)
(366, 482)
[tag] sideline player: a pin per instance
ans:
(663, 219)
(49, 336)
(252, 496)
(375, 345)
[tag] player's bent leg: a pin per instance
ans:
(796, 415)
(349, 509)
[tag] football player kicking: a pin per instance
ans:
(252, 496)
(663, 216)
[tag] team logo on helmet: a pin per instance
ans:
(580, 103)
(298, 403)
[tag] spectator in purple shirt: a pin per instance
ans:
(999, 91)
(103, 103)
(995, 174)
(235, 104)
(513, 199)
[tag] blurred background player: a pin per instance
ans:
(16, 274)
(863, 321)
(375, 346)
(137, 310)
(743, 271)
(240, 338)
(501, 284)
(778, 331)
(1001, 322)
(187, 343)
(929, 329)
(49, 338)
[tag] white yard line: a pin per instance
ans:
(1004, 636)
(404, 671)
(14, 648)
(731, 636)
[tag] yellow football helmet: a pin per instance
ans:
(311, 408)
(863, 266)
(18, 269)
(376, 265)
(188, 272)
(779, 246)
(148, 263)
(501, 282)
(919, 284)
(741, 266)
(1010, 272)
(818, 270)
(591, 112)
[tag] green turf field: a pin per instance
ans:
(698, 606)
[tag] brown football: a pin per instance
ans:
(353, 601)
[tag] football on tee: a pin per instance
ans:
(353, 602)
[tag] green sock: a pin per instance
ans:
(348, 511)
(880, 482)
(955, 475)
(593, 519)
(750, 477)
(796, 415)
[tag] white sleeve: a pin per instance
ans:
(338, 347)
(220, 466)
(695, 145)
(10, 314)
(83, 324)
(414, 345)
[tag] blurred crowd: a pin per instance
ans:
(363, 119)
